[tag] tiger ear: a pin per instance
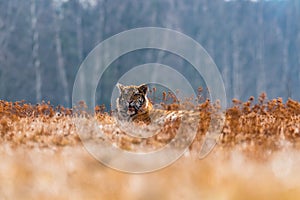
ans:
(121, 87)
(143, 88)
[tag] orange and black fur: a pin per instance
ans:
(133, 105)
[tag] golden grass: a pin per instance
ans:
(257, 157)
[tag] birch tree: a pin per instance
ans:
(9, 14)
(171, 22)
(225, 59)
(35, 51)
(236, 65)
(79, 38)
(261, 77)
(58, 49)
(296, 5)
(285, 54)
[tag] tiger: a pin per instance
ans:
(133, 105)
(137, 116)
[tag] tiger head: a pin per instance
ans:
(132, 101)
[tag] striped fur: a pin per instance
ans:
(133, 105)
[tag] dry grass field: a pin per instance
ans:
(257, 156)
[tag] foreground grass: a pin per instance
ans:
(257, 157)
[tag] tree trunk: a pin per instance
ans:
(79, 36)
(236, 72)
(261, 77)
(236, 65)
(35, 51)
(226, 67)
(298, 61)
(285, 53)
(7, 26)
(171, 22)
(60, 59)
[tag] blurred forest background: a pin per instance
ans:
(255, 44)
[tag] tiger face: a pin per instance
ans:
(132, 101)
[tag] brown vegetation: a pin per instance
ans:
(262, 126)
(257, 156)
